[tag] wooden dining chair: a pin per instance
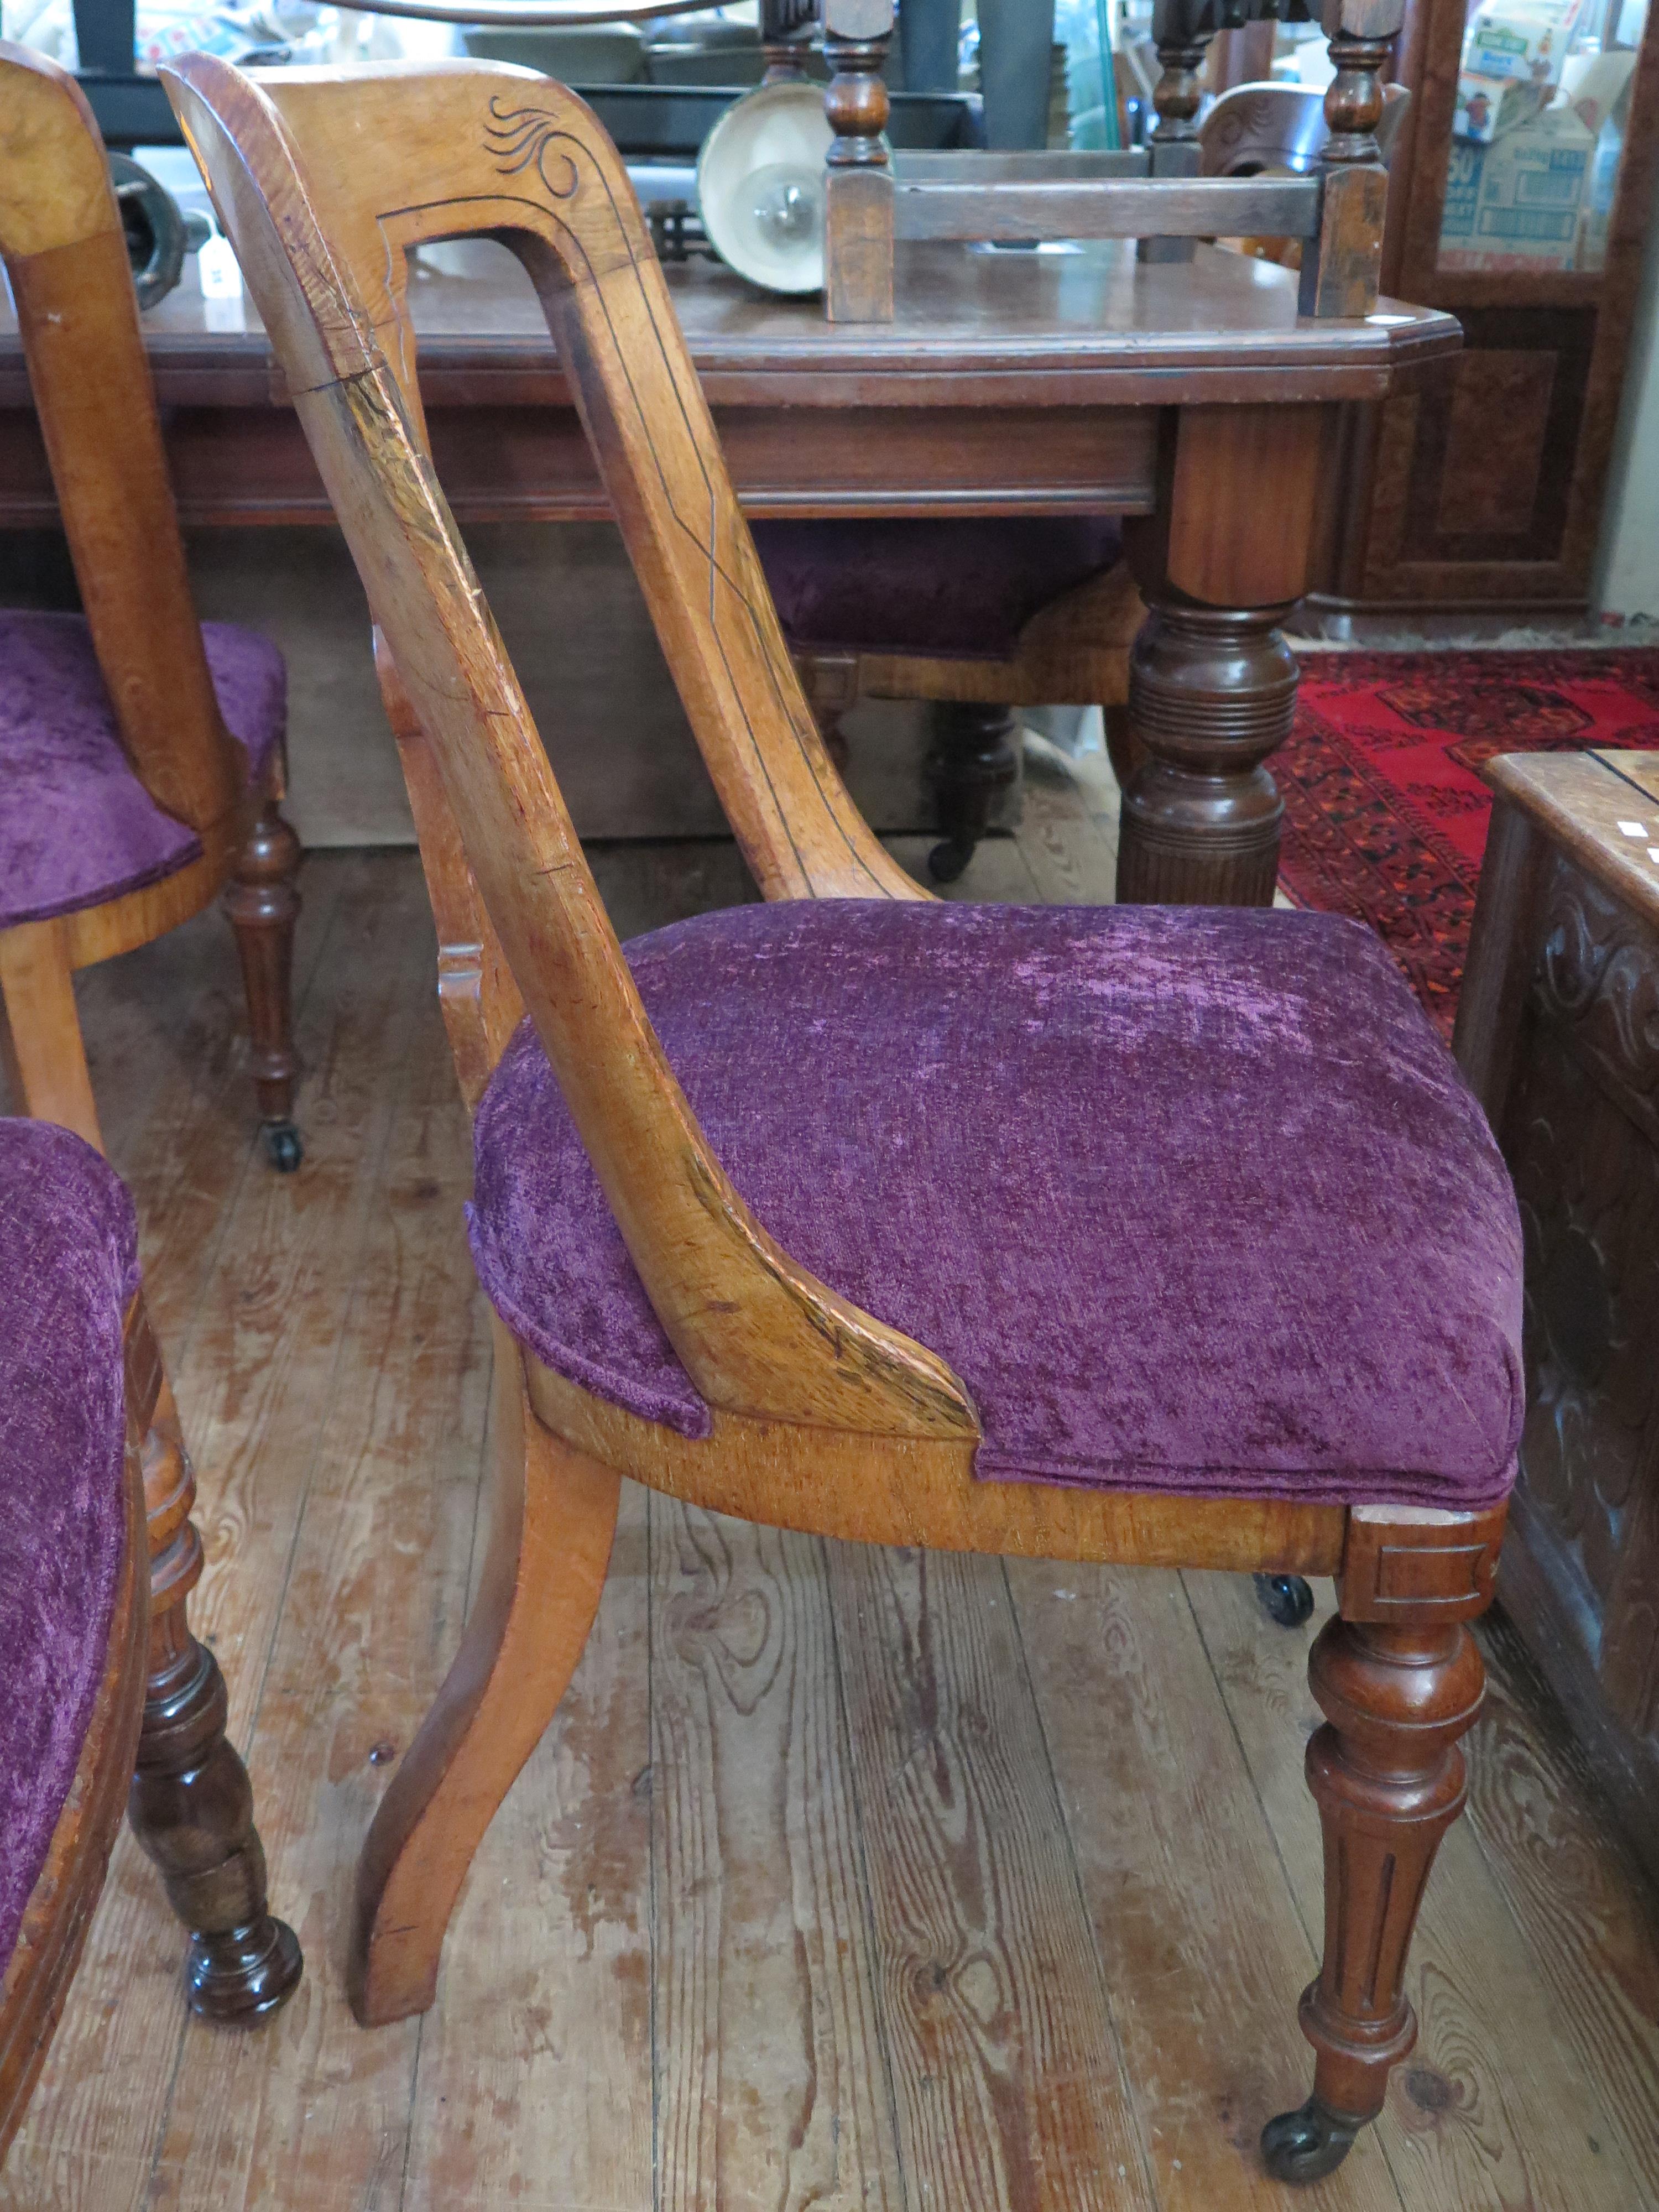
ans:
(1154, 1236)
(141, 752)
(127, 806)
(78, 1384)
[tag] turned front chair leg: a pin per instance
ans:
(263, 905)
(192, 1805)
(1212, 694)
(973, 763)
(1398, 1692)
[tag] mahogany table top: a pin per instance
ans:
(1088, 326)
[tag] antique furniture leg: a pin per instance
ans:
(190, 1805)
(1399, 1680)
(1212, 681)
(1212, 691)
(555, 1517)
(262, 903)
(973, 761)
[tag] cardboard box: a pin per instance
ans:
(1515, 205)
(1489, 105)
(1524, 38)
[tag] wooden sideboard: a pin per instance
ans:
(1559, 1033)
(1486, 488)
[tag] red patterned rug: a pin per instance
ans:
(1385, 813)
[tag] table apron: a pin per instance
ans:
(245, 465)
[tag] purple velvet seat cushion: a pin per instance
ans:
(77, 827)
(966, 587)
(1192, 1199)
(68, 1264)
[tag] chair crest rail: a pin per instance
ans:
(1031, 203)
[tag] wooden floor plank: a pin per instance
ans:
(255, 1389)
(1205, 1955)
(1006, 2071)
(534, 2081)
(1586, 1912)
(772, 2091)
(1070, 850)
(1493, 2111)
(166, 1029)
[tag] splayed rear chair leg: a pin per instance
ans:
(554, 1519)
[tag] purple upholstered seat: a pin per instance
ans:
(964, 588)
(1191, 1199)
(68, 1265)
(77, 827)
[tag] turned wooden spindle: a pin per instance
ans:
(1174, 144)
(263, 906)
(1341, 268)
(191, 1804)
(858, 213)
(784, 27)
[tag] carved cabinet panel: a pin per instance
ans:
(1579, 1121)
(1484, 484)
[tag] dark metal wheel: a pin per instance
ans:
(283, 1146)
(1310, 2142)
(947, 862)
(1285, 1598)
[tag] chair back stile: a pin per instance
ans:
(755, 1332)
(61, 242)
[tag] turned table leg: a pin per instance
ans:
(1212, 681)
(192, 1805)
(1212, 694)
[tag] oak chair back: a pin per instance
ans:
(323, 183)
(65, 254)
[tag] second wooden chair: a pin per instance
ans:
(1160, 1236)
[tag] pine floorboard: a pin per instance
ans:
(843, 1879)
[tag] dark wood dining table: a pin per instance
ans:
(1188, 397)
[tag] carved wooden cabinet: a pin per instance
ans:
(1558, 1033)
(1483, 486)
